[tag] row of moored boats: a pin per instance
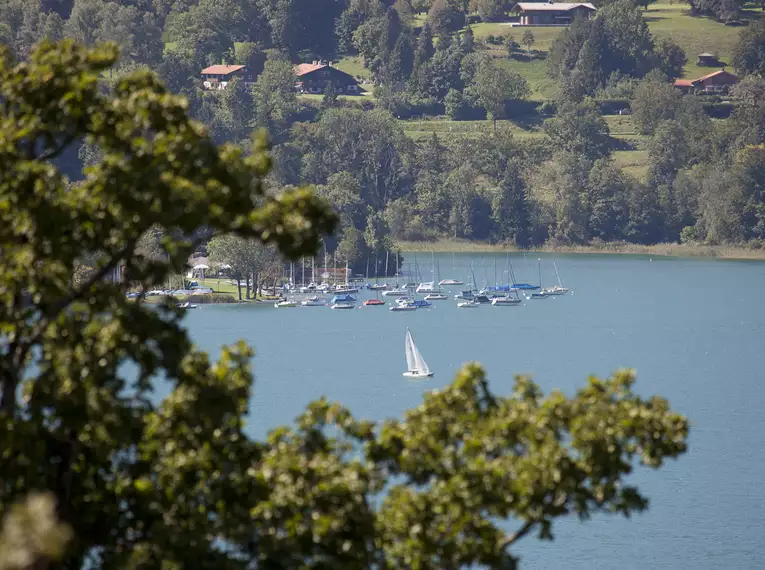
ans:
(404, 298)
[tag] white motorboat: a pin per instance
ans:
(468, 304)
(416, 367)
(343, 305)
(449, 282)
(314, 301)
(286, 303)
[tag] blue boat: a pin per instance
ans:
(524, 287)
(343, 299)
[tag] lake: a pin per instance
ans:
(694, 330)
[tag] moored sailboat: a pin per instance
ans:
(541, 294)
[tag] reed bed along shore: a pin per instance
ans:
(661, 249)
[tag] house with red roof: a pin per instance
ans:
(219, 76)
(715, 82)
(316, 76)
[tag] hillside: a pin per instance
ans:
(693, 34)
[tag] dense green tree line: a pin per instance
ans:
(563, 185)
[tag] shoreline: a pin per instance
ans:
(740, 253)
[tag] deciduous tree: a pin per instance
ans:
(73, 419)
(749, 52)
(578, 128)
(179, 483)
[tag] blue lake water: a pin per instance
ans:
(693, 329)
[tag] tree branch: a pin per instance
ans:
(23, 347)
(511, 539)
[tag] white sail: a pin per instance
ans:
(422, 366)
(411, 362)
(414, 360)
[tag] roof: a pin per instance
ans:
(557, 7)
(692, 82)
(713, 74)
(221, 69)
(303, 68)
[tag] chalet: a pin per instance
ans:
(315, 77)
(218, 76)
(552, 14)
(715, 82)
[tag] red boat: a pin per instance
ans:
(373, 302)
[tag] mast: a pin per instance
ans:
(302, 278)
(539, 269)
(313, 270)
(386, 265)
(560, 283)
(512, 276)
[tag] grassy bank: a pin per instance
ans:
(662, 249)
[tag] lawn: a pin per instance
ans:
(543, 36)
(353, 65)
(694, 35)
(632, 162)
(620, 125)
(535, 72)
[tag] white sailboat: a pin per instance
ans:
(558, 289)
(542, 294)
(415, 363)
(448, 282)
(437, 294)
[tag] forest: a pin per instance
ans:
(509, 138)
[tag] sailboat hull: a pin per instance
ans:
(501, 302)
(417, 375)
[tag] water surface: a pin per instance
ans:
(693, 329)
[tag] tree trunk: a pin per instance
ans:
(239, 286)
(247, 284)
(255, 284)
